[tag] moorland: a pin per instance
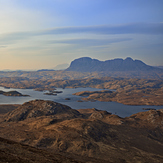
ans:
(127, 90)
(136, 84)
(46, 131)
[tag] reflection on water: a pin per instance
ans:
(113, 107)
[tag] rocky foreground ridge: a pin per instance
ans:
(86, 135)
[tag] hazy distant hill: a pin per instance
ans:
(87, 64)
(61, 66)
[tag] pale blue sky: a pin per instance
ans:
(38, 34)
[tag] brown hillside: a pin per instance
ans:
(87, 133)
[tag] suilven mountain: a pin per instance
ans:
(86, 64)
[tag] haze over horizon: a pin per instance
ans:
(43, 34)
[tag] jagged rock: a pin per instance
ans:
(96, 115)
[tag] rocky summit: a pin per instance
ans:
(87, 64)
(38, 108)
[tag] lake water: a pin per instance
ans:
(113, 107)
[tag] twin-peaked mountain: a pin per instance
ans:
(87, 64)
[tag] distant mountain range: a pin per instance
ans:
(92, 68)
(87, 64)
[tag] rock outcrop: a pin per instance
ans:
(38, 108)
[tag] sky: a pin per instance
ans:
(41, 34)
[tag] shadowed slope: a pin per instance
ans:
(13, 152)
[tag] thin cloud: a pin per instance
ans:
(14, 37)
(90, 42)
(136, 28)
